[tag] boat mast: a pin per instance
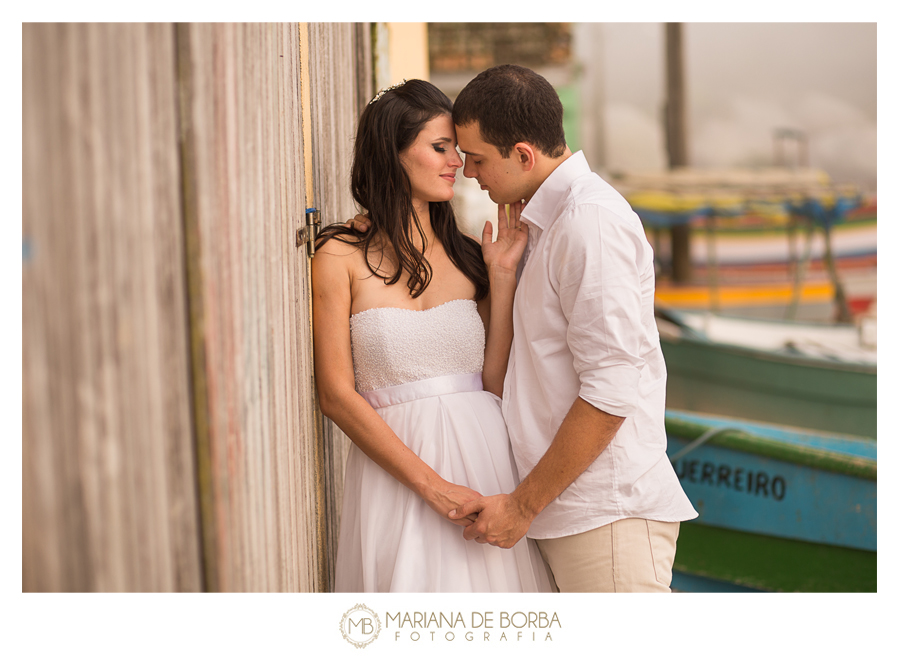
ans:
(676, 141)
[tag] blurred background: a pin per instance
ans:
(769, 111)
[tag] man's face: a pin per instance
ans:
(498, 175)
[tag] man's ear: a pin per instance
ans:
(524, 154)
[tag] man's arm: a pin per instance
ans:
(595, 271)
(504, 519)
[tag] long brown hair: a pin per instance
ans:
(380, 185)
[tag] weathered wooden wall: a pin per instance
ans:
(171, 439)
(250, 329)
(341, 85)
(337, 101)
(109, 487)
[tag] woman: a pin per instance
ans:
(412, 324)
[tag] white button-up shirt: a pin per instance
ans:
(584, 327)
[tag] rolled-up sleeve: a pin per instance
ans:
(595, 261)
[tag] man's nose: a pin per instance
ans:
(469, 169)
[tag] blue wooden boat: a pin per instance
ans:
(780, 508)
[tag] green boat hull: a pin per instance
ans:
(772, 564)
(733, 381)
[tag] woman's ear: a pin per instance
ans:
(524, 154)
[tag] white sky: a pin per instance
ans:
(743, 81)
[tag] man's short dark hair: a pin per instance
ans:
(513, 104)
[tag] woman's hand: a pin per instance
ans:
(512, 236)
(448, 496)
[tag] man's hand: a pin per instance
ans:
(360, 223)
(501, 521)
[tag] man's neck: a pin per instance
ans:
(542, 170)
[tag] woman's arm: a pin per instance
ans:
(502, 258)
(338, 399)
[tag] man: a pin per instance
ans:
(584, 395)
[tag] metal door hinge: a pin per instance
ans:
(307, 235)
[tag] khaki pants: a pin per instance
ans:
(629, 555)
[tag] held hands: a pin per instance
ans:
(512, 236)
(447, 497)
(501, 520)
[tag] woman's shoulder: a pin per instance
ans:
(334, 267)
(338, 245)
(347, 252)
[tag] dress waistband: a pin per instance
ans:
(424, 388)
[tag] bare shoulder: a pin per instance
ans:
(339, 247)
(335, 261)
(338, 252)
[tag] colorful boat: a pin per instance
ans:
(757, 271)
(764, 242)
(780, 509)
(809, 375)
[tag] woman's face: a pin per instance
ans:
(432, 160)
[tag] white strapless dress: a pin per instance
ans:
(421, 371)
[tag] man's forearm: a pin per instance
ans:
(584, 434)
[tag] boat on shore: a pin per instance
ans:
(781, 509)
(763, 242)
(753, 274)
(807, 375)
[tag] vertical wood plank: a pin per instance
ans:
(109, 500)
(341, 83)
(249, 301)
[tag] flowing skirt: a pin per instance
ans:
(391, 540)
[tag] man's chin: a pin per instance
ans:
(498, 199)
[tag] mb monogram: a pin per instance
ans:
(360, 626)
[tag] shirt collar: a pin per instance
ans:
(541, 209)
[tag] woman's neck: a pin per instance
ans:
(422, 211)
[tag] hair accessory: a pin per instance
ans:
(386, 90)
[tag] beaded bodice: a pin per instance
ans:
(393, 346)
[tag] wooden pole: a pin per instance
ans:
(676, 142)
(800, 267)
(840, 298)
(712, 262)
